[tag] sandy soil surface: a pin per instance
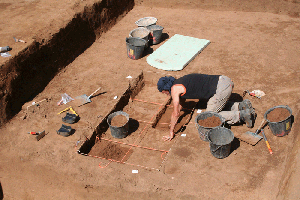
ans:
(254, 43)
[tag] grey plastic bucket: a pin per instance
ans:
(146, 21)
(135, 47)
(118, 132)
(141, 32)
(220, 140)
(204, 130)
(155, 33)
(280, 128)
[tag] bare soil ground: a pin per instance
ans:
(255, 43)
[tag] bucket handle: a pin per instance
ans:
(217, 149)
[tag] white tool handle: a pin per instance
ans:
(94, 92)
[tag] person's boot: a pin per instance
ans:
(246, 104)
(247, 116)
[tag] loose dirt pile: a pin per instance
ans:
(212, 121)
(278, 115)
(118, 121)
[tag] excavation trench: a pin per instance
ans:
(28, 73)
(148, 122)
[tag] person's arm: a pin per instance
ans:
(176, 112)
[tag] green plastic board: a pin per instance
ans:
(176, 53)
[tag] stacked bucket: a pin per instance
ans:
(220, 137)
(147, 33)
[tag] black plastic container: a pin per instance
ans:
(135, 47)
(118, 132)
(220, 142)
(283, 127)
(155, 33)
(204, 130)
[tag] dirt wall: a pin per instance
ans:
(133, 89)
(27, 74)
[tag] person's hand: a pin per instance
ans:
(168, 137)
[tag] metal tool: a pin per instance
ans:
(253, 138)
(265, 138)
(86, 99)
(39, 135)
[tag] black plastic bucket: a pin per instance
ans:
(118, 132)
(283, 127)
(204, 130)
(135, 47)
(220, 141)
(155, 33)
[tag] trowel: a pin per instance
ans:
(253, 138)
(39, 135)
(84, 99)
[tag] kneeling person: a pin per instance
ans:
(213, 89)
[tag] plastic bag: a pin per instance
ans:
(6, 54)
(257, 93)
(65, 99)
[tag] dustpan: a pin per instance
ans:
(84, 99)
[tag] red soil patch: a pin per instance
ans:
(109, 150)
